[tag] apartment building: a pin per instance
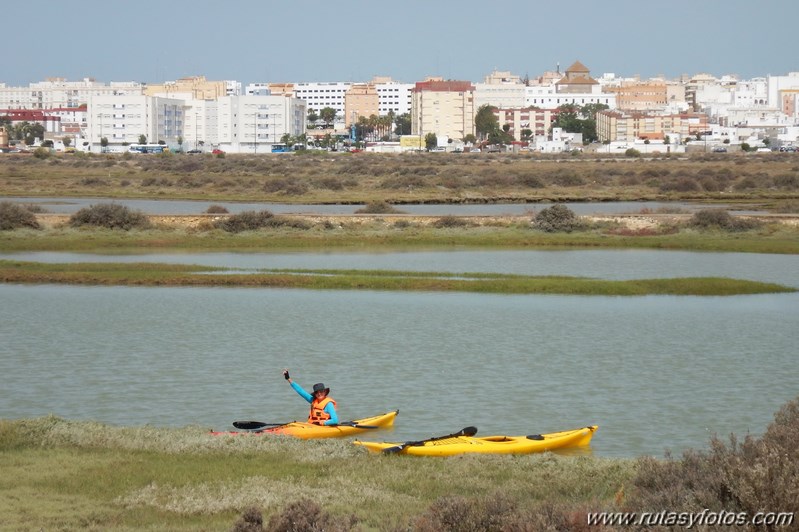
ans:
(526, 123)
(612, 126)
(361, 100)
(121, 119)
(393, 96)
(641, 96)
(445, 108)
(59, 93)
(500, 89)
(196, 87)
(252, 124)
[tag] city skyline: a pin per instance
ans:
(355, 40)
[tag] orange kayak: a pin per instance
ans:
(307, 431)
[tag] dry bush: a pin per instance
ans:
(110, 216)
(753, 476)
(307, 516)
(500, 513)
(404, 181)
(719, 219)
(251, 520)
(555, 219)
(787, 181)
(216, 209)
(378, 207)
(13, 216)
(244, 221)
(683, 184)
(448, 222)
(530, 181)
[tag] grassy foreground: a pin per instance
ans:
(146, 274)
(66, 475)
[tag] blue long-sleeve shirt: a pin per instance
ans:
(330, 408)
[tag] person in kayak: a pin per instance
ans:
(323, 408)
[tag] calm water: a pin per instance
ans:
(167, 207)
(654, 372)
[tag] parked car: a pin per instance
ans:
(194, 151)
(719, 149)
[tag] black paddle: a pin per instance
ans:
(254, 425)
(466, 431)
(257, 425)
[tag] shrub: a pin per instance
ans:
(305, 515)
(498, 512)
(753, 476)
(530, 181)
(720, 219)
(446, 222)
(567, 179)
(13, 216)
(244, 221)
(557, 218)
(684, 184)
(111, 216)
(632, 152)
(216, 209)
(378, 207)
(41, 152)
(251, 520)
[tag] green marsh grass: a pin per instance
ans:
(60, 474)
(378, 234)
(146, 274)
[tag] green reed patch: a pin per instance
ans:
(146, 274)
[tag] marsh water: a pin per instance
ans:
(654, 372)
(187, 207)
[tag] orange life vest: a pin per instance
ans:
(318, 416)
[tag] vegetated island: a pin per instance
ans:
(155, 274)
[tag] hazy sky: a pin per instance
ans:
(355, 40)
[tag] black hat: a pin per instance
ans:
(319, 387)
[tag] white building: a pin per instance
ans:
(546, 98)
(60, 93)
(789, 82)
(502, 90)
(252, 124)
(123, 119)
(393, 96)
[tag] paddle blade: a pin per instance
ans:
(254, 425)
(468, 431)
(248, 425)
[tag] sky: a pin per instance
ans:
(407, 40)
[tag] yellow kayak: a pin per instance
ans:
(307, 431)
(465, 443)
